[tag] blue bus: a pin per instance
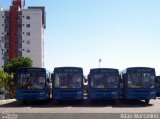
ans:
(103, 84)
(68, 83)
(158, 86)
(138, 83)
(33, 84)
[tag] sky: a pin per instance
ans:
(122, 33)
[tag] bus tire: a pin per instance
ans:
(91, 101)
(115, 101)
(24, 102)
(57, 101)
(80, 101)
(49, 97)
(147, 101)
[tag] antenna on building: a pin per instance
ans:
(20, 3)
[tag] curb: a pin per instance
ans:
(8, 100)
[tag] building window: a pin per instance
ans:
(2, 24)
(23, 41)
(19, 25)
(28, 17)
(2, 16)
(28, 50)
(23, 24)
(2, 37)
(23, 49)
(7, 33)
(28, 25)
(28, 42)
(28, 34)
(20, 41)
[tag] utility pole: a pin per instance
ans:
(99, 63)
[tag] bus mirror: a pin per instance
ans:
(85, 80)
(52, 76)
(156, 80)
(88, 77)
(48, 81)
(124, 76)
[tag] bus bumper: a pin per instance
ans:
(104, 95)
(141, 95)
(22, 95)
(68, 96)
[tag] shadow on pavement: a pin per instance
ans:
(132, 104)
(85, 103)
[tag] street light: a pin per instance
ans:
(99, 62)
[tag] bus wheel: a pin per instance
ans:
(49, 97)
(25, 102)
(115, 101)
(56, 101)
(147, 101)
(80, 101)
(91, 101)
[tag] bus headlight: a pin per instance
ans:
(79, 93)
(115, 86)
(93, 94)
(153, 93)
(42, 93)
(114, 93)
(152, 86)
(129, 84)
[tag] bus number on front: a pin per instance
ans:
(25, 75)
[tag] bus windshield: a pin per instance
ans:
(141, 80)
(68, 80)
(104, 81)
(31, 80)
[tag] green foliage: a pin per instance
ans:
(2, 78)
(8, 80)
(6, 83)
(5, 79)
(16, 63)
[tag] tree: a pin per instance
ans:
(12, 65)
(6, 83)
(11, 68)
(3, 77)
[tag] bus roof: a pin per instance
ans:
(68, 69)
(29, 68)
(139, 69)
(104, 70)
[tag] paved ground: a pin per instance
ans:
(73, 110)
(75, 107)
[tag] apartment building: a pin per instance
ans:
(22, 33)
